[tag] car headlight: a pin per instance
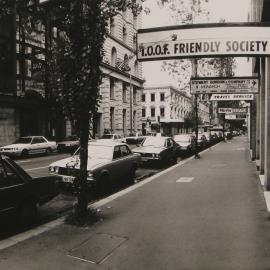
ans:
(90, 176)
(53, 169)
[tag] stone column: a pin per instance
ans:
(262, 114)
(253, 128)
(267, 125)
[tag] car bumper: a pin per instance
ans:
(11, 153)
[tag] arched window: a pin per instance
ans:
(113, 57)
(124, 34)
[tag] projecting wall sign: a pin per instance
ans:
(224, 97)
(203, 40)
(233, 110)
(224, 85)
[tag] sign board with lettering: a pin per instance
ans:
(235, 117)
(204, 40)
(224, 97)
(224, 85)
(233, 110)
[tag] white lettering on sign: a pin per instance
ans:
(232, 97)
(203, 40)
(224, 85)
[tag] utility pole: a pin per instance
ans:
(195, 73)
(130, 102)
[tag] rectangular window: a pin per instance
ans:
(143, 98)
(143, 112)
(112, 118)
(112, 86)
(134, 96)
(162, 112)
(162, 97)
(152, 97)
(124, 92)
(153, 112)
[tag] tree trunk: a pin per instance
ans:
(84, 134)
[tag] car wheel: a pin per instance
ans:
(48, 151)
(132, 173)
(174, 159)
(27, 213)
(104, 184)
(25, 153)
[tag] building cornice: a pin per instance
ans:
(120, 42)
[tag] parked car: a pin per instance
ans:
(134, 139)
(113, 137)
(202, 141)
(69, 144)
(158, 149)
(186, 142)
(108, 161)
(20, 193)
(29, 145)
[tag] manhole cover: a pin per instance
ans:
(97, 248)
(185, 180)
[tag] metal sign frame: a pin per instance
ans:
(203, 40)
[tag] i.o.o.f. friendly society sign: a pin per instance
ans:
(207, 40)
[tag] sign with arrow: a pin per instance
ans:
(233, 85)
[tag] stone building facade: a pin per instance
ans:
(164, 108)
(122, 85)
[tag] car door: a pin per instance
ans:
(12, 188)
(35, 146)
(170, 148)
(127, 159)
(116, 167)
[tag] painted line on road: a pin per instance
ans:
(185, 180)
(33, 169)
(14, 240)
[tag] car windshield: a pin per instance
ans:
(182, 138)
(24, 140)
(154, 141)
(107, 136)
(98, 152)
(72, 138)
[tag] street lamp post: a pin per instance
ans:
(130, 102)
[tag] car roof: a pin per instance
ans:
(102, 142)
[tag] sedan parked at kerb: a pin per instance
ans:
(69, 144)
(20, 193)
(186, 142)
(108, 161)
(29, 145)
(158, 149)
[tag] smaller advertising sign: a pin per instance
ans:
(225, 110)
(233, 110)
(225, 97)
(230, 116)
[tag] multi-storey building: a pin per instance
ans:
(120, 109)
(25, 97)
(164, 107)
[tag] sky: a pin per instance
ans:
(230, 10)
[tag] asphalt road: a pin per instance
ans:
(38, 166)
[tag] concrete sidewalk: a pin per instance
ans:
(206, 214)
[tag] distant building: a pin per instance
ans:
(164, 108)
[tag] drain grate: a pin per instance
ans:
(97, 248)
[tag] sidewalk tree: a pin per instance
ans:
(74, 59)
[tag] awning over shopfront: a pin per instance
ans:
(169, 120)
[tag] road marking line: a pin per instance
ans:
(33, 169)
(185, 180)
(267, 199)
(13, 240)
